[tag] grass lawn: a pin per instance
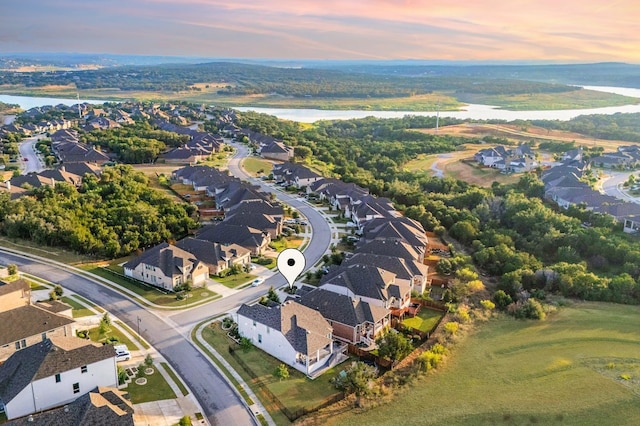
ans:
(86, 302)
(156, 389)
(253, 164)
(149, 293)
(425, 320)
(131, 332)
(94, 335)
(233, 281)
(78, 309)
(175, 378)
(295, 392)
(286, 242)
(270, 265)
(564, 370)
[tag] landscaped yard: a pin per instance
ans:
(581, 366)
(148, 292)
(96, 336)
(424, 321)
(233, 281)
(156, 389)
(78, 310)
(295, 392)
(286, 242)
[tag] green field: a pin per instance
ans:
(233, 281)
(156, 389)
(253, 165)
(566, 370)
(576, 99)
(78, 310)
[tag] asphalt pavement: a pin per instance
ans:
(27, 150)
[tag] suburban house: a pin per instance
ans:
(217, 257)
(370, 284)
(167, 266)
(23, 324)
(254, 240)
(259, 214)
(393, 247)
(54, 372)
(293, 333)
(353, 321)
(408, 272)
(101, 406)
(519, 159)
(276, 151)
(295, 174)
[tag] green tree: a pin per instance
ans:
(394, 346)
(272, 295)
(58, 290)
(12, 269)
(357, 379)
(444, 266)
(281, 372)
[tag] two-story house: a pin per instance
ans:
(54, 372)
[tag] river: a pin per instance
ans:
(471, 111)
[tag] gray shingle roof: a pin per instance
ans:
(164, 256)
(304, 328)
(45, 359)
(101, 407)
(362, 280)
(403, 268)
(341, 308)
(244, 236)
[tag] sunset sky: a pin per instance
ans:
(485, 30)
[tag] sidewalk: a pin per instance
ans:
(257, 407)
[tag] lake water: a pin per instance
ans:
(471, 111)
(28, 102)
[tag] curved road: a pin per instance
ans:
(169, 332)
(611, 186)
(27, 150)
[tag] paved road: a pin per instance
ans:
(220, 404)
(320, 240)
(612, 186)
(168, 331)
(27, 150)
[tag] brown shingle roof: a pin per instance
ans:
(27, 321)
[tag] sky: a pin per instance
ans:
(478, 30)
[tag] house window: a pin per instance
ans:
(21, 344)
(44, 336)
(76, 388)
(254, 323)
(58, 379)
(259, 338)
(83, 369)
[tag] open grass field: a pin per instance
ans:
(295, 392)
(566, 370)
(550, 101)
(449, 165)
(53, 253)
(253, 165)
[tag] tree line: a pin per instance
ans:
(112, 215)
(510, 231)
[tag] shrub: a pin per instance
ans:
(429, 360)
(53, 295)
(58, 290)
(281, 372)
(12, 269)
(185, 421)
(487, 305)
(502, 299)
(625, 377)
(245, 344)
(531, 309)
(451, 328)
(438, 348)
(148, 361)
(122, 375)
(462, 314)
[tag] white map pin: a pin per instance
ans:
(291, 263)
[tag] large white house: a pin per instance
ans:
(296, 335)
(167, 266)
(53, 373)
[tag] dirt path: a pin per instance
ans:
(438, 172)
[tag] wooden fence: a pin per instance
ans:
(268, 397)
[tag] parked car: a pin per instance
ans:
(257, 282)
(122, 353)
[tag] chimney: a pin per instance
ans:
(63, 168)
(53, 182)
(8, 183)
